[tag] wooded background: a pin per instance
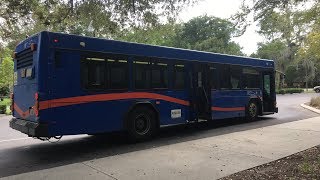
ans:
(291, 29)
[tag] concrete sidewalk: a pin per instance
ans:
(207, 158)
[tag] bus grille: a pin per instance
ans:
(24, 58)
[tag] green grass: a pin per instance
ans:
(306, 168)
(7, 102)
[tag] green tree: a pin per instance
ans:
(287, 21)
(208, 33)
(161, 35)
(275, 50)
(6, 69)
(204, 33)
(21, 17)
(292, 75)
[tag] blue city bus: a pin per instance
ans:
(68, 84)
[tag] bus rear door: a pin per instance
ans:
(202, 92)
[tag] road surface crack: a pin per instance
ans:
(99, 170)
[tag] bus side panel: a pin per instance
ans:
(95, 117)
(89, 118)
(107, 116)
(228, 104)
(170, 112)
(45, 77)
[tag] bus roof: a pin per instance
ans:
(70, 41)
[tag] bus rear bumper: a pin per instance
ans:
(33, 129)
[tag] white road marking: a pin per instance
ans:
(9, 140)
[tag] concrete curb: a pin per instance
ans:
(310, 108)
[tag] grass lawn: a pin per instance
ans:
(7, 102)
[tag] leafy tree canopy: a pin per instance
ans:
(87, 17)
(204, 33)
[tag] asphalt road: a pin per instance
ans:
(20, 154)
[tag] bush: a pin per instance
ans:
(4, 91)
(3, 109)
(289, 91)
(315, 102)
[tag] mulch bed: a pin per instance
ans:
(302, 165)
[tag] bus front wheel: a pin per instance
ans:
(141, 123)
(252, 111)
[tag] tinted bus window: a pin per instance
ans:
(93, 73)
(225, 77)
(178, 77)
(118, 74)
(251, 78)
(159, 75)
(214, 81)
(235, 77)
(141, 74)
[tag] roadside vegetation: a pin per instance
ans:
(5, 106)
(315, 102)
(289, 91)
(302, 165)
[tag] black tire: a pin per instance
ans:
(141, 124)
(317, 90)
(252, 111)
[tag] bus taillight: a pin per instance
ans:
(33, 47)
(36, 105)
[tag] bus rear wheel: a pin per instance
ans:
(252, 111)
(141, 123)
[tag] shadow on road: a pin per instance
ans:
(47, 155)
(38, 156)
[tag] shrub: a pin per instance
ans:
(4, 91)
(289, 91)
(315, 102)
(3, 108)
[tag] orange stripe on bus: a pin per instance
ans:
(20, 112)
(107, 97)
(228, 109)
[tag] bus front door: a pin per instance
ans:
(202, 92)
(268, 93)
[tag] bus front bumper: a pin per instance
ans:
(33, 129)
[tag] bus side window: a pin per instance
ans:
(178, 76)
(159, 75)
(118, 74)
(142, 74)
(93, 73)
(225, 77)
(213, 73)
(251, 78)
(235, 77)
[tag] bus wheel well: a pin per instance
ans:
(143, 104)
(258, 102)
